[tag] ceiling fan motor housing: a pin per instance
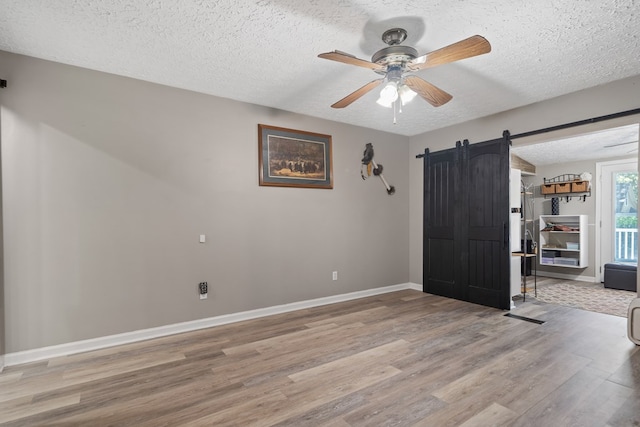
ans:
(394, 55)
(394, 73)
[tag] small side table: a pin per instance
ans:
(523, 265)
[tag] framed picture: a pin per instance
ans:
(294, 158)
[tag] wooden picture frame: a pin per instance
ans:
(294, 158)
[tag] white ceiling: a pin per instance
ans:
(265, 51)
(621, 141)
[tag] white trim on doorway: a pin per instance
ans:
(602, 195)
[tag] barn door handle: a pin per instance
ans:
(505, 235)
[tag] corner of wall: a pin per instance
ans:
(633, 323)
(2, 321)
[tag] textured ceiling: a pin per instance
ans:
(620, 141)
(265, 52)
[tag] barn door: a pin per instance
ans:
(466, 223)
(441, 176)
(487, 251)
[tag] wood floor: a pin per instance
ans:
(402, 359)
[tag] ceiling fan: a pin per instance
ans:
(397, 63)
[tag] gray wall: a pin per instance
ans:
(599, 101)
(108, 183)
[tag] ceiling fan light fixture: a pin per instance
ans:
(388, 94)
(406, 94)
(402, 92)
(383, 103)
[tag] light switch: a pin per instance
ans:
(203, 238)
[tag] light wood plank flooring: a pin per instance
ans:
(402, 359)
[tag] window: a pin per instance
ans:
(625, 239)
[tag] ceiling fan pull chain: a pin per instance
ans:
(394, 111)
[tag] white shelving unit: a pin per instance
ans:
(563, 241)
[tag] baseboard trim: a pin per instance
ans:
(67, 349)
(415, 286)
(590, 279)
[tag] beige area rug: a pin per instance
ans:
(585, 296)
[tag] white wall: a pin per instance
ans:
(108, 183)
(599, 101)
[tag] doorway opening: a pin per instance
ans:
(607, 151)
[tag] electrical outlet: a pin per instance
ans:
(335, 275)
(203, 289)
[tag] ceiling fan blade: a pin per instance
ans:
(347, 100)
(467, 48)
(432, 94)
(346, 58)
